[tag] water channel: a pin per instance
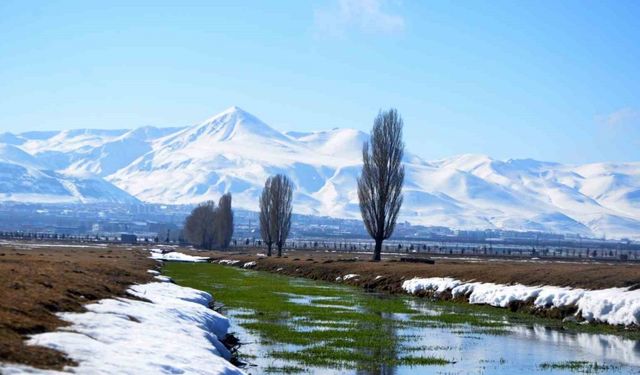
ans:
(295, 325)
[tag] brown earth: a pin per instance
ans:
(38, 281)
(329, 266)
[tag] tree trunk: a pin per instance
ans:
(377, 251)
(269, 249)
(279, 250)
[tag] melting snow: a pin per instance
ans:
(229, 262)
(613, 305)
(176, 332)
(175, 256)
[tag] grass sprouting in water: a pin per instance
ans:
(284, 370)
(311, 323)
(578, 366)
(453, 318)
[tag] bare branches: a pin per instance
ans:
(275, 211)
(266, 210)
(380, 184)
(209, 226)
(199, 225)
(224, 221)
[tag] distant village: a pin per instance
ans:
(162, 223)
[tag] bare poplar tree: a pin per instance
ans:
(266, 210)
(380, 184)
(282, 197)
(275, 212)
(200, 225)
(224, 221)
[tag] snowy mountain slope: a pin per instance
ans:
(24, 179)
(89, 151)
(347, 143)
(235, 152)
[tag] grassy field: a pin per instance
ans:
(319, 324)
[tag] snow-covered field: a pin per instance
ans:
(235, 152)
(174, 333)
(617, 306)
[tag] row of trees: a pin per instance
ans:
(379, 193)
(210, 226)
(379, 188)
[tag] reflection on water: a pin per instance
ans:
(600, 346)
(521, 349)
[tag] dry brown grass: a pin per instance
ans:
(38, 282)
(328, 266)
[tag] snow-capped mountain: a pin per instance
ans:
(88, 151)
(235, 152)
(25, 179)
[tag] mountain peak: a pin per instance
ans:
(232, 113)
(236, 111)
(232, 123)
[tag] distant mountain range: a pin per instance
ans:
(235, 152)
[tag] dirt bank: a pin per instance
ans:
(329, 266)
(39, 280)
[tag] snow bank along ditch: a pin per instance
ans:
(616, 306)
(170, 329)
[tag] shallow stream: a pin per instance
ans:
(295, 325)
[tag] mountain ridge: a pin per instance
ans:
(234, 151)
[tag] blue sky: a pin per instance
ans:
(550, 80)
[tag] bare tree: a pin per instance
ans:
(380, 184)
(200, 224)
(275, 212)
(224, 221)
(266, 210)
(282, 195)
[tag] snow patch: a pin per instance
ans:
(617, 306)
(434, 284)
(249, 265)
(175, 256)
(229, 262)
(176, 332)
(164, 279)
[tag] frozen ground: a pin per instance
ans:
(174, 332)
(617, 306)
